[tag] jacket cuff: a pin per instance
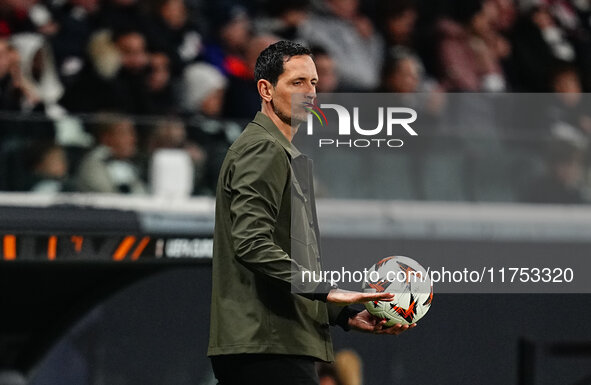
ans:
(322, 291)
(343, 317)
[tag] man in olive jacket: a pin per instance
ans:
(268, 325)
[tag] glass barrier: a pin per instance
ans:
(449, 147)
(468, 147)
(112, 153)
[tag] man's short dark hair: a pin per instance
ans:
(269, 64)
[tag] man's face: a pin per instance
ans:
(406, 77)
(53, 164)
(400, 27)
(568, 87)
(121, 139)
(296, 84)
(327, 73)
(160, 72)
(133, 52)
(174, 13)
(236, 33)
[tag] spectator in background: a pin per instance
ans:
(160, 90)
(539, 46)
(471, 50)
(404, 74)
(402, 63)
(17, 16)
(173, 32)
(564, 13)
(131, 79)
(286, 18)
(5, 10)
(565, 81)
(117, 76)
(400, 17)
(172, 134)
(77, 21)
(203, 98)
(242, 100)
(110, 167)
(39, 72)
(231, 36)
(507, 15)
(49, 169)
(16, 93)
(561, 183)
(11, 91)
(328, 79)
(575, 18)
(569, 113)
(203, 90)
(352, 42)
(563, 113)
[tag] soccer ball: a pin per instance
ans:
(410, 283)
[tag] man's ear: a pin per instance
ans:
(265, 90)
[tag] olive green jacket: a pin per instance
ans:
(263, 242)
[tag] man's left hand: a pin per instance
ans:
(366, 322)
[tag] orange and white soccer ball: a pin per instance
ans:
(411, 285)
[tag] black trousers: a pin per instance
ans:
(264, 369)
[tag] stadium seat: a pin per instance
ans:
(172, 173)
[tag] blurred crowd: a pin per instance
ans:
(119, 80)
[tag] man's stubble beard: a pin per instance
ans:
(294, 123)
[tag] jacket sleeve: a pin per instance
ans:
(258, 179)
(339, 315)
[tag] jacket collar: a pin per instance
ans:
(266, 122)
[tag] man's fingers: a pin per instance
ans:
(387, 297)
(349, 297)
(396, 329)
(380, 325)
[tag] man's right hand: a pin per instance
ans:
(345, 297)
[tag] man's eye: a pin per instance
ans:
(297, 83)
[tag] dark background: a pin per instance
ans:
(155, 332)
